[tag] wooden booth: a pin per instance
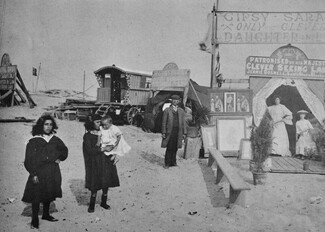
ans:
(12, 88)
(231, 113)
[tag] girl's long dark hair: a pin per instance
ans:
(89, 123)
(38, 128)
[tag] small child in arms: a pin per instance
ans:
(110, 136)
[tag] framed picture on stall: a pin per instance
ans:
(230, 132)
(230, 102)
(209, 137)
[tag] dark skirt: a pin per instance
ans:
(48, 188)
(110, 173)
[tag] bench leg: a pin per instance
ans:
(219, 175)
(237, 197)
(210, 160)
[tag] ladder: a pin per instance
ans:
(103, 110)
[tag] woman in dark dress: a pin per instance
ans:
(43, 154)
(101, 173)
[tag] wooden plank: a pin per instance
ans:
(21, 96)
(281, 167)
(297, 161)
(295, 164)
(288, 164)
(17, 120)
(210, 160)
(24, 89)
(297, 172)
(6, 94)
(219, 175)
(234, 179)
(275, 164)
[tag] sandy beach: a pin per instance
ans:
(151, 198)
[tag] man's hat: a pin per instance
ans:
(175, 97)
(302, 112)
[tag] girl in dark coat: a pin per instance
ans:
(43, 154)
(101, 173)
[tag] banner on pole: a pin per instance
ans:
(270, 27)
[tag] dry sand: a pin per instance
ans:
(152, 198)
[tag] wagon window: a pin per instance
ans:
(107, 80)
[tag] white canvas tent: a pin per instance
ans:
(312, 101)
(288, 67)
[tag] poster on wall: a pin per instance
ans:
(209, 137)
(243, 103)
(216, 101)
(231, 102)
(230, 132)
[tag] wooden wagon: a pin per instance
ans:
(122, 93)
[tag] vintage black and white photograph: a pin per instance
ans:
(162, 115)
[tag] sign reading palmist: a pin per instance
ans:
(270, 27)
(287, 61)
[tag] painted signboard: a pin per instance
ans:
(270, 27)
(287, 61)
(170, 77)
(8, 77)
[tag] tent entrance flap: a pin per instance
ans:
(311, 100)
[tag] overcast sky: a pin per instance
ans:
(70, 37)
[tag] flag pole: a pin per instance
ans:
(213, 45)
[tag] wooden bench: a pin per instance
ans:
(238, 186)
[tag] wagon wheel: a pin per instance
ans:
(131, 114)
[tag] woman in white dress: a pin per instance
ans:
(280, 115)
(304, 139)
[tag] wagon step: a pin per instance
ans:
(103, 110)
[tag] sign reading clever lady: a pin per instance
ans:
(270, 27)
(287, 61)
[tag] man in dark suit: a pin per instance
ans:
(173, 130)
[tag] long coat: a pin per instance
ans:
(100, 171)
(39, 161)
(167, 126)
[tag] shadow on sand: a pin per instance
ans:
(215, 191)
(77, 187)
(152, 158)
(27, 212)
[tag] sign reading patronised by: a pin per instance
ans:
(270, 27)
(8, 77)
(170, 77)
(287, 61)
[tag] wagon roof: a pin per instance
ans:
(127, 71)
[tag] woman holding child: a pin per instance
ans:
(101, 172)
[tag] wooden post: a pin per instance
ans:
(83, 88)
(213, 49)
